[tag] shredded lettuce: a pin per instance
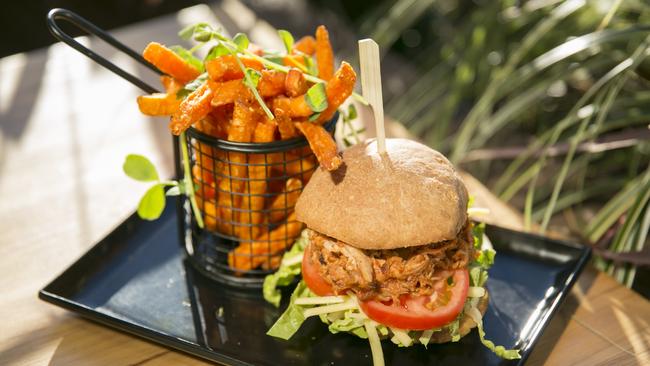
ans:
(375, 342)
(453, 329)
(402, 338)
(289, 269)
(508, 354)
(478, 231)
(425, 337)
(349, 324)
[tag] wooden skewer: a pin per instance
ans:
(371, 86)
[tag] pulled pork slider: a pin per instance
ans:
(393, 230)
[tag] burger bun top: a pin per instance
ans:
(409, 196)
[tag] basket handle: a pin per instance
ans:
(90, 28)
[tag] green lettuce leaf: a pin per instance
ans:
(478, 276)
(292, 318)
(348, 324)
(286, 273)
(486, 258)
(478, 230)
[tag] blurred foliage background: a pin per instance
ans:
(545, 101)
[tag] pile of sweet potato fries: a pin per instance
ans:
(249, 196)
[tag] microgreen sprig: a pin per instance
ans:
(251, 77)
(203, 33)
(188, 186)
(152, 203)
(350, 133)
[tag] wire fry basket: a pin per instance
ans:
(246, 228)
(248, 217)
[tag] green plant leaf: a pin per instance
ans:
(312, 69)
(274, 58)
(314, 117)
(192, 86)
(140, 168)
(186, 55)
(253, 76)
(174, 191)
(200, 32)
(216, 51)
(188, 32)
(152, 203)
(352, 113)
(241, 40)
(287, 39)
(316, 97)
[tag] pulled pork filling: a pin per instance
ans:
(387, 274)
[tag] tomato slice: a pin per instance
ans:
(312, 278)
(420, 313)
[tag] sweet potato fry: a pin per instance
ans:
(252, 204)
(222, 116)
(338, 89)
(251, 255)
(322, 144)
(227, 92)
(295, 83)
(224, 68)
(285, 126)
(290, 164)
(241, 129)
(209, 212)
(271, 83)
(171, 85)
(306, 45)
(169, 62)
(282, 205)
(295, 107)
(195, 107)
(324, 54)
(161, 104)
(272, 262)
(202, 174)
(158, 104)
(212, 126)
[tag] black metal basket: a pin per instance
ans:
(248, 220)
(253, 236)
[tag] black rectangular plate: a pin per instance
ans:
(137, 280)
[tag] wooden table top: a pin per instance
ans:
(66, 126)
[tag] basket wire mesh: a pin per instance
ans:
(246, 193)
